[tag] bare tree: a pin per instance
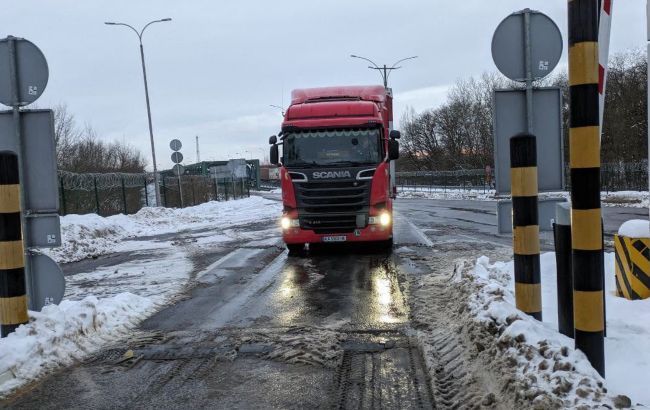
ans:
(459, 134)
(82, 151)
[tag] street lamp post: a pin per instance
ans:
(385, 70)
(278, 107)
(146, 93)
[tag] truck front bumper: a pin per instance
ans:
(367, 234)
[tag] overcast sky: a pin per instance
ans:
(214, 70)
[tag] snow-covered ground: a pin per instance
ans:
(103, 305)
(90, 235)
(632, 199)
(63, 334)
(548, 358)
(440, 193)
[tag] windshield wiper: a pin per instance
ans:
(353, 163)
(303, 164)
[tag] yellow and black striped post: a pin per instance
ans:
(584, 147)
(525, 224)
(13, 301)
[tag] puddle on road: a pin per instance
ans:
(357, 291)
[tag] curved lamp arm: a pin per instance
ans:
(367, 59)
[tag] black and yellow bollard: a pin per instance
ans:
(563, 255)
(13, 301)
(525, 223)
(584, 146)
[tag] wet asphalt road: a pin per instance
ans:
(260, 329)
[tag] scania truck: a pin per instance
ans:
(337, 166)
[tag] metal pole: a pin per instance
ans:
(96, 195)
(648, 56)
(13, 75)
(562, 239)
(525, 222)
(146, 194)
(180, 190)
(198, 152)
(164, 191)
(13, 290)
(153, 149)
(124, 197)
(65, 209)
(586, 215)
(529, 73)
(193, 193)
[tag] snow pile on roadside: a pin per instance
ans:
(635, 228)
(630, 199)
(85, 236)
(64, 333)
(545, 359)
(440, 193)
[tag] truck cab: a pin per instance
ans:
(335, 169)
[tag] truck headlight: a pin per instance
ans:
(287, 222)
(384, 219)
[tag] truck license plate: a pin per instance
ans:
(341, 238)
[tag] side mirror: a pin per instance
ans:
(393, 150)
(273, 139)
(274, 155)
(394, 135)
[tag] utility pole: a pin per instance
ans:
(586, 216)
(385, 70)
(146, 93)
(198, 152)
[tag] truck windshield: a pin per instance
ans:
(332, 147)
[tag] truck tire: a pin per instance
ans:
(295, 248)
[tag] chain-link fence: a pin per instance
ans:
(111, 194)
(627, 176)
(470, 179)
(624, 176)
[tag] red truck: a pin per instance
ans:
(337, 166)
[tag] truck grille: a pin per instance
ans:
(332, 206)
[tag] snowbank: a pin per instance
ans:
(60, 335)
(548, 358)
(635, 228)
(631, 199)
(439, 193)
(628, 199)
(85, 236)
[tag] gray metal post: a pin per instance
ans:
(64, 208)
(96, 195)
(146, 92)
(146, 194)
(153, 149)
(180, 190)
(563, 250)
(193, 191)
(124, 197)
(13, 74)
(529, 72)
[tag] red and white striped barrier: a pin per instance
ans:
(604, 30)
